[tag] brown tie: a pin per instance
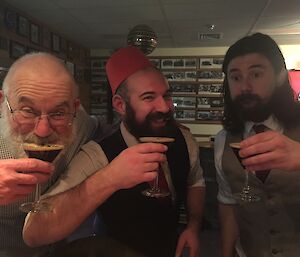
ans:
(262, 174)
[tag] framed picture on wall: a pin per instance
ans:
(46, 38)
(34, 33)
(10, 20)
(4, 43)
(71, 67)
(55, 43)
(32, 50)
(23, 26)
(63, 45)
(16, 50)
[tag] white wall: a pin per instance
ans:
(291, 54)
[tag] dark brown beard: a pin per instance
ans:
(257, 113)
(145, 129)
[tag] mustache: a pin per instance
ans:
(160, 115)
(247, 97)
(31, 138)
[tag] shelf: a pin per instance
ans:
(210, 108)
(178, 94)
(180, 108)
(183, 82)
(210, 81)
(200, 121)
(194, 81)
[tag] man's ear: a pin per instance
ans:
(281, 77)
(1, 101)
(119, 104)
(76, 104)
(1, 96)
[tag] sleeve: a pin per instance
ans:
(224, 194)
(195, 178)
(89, 160)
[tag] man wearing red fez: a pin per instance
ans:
(148, 225)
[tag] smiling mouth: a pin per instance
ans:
(160, 122)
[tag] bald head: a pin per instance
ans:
(42, 67)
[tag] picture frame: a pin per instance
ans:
(70, 52)
(97, 64)
(155, 62)
(71, 67)
(182, 88)
(63, 45)
(4, 43)
(178, 63)
(46, 38)
(35, 33)
(55, 43)
(166, 63)
(206, 62)
(23, 26)
(16, 50)
(10, 20)
(210, 115)
(184, 115)
(32, 50)
(190, 63)
(189, 102)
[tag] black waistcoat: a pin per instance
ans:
(146, 224)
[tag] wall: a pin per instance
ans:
(74, 55)
(291, 54)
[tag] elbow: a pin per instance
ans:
(31, 238)
(33, 235)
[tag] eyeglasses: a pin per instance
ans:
(30, 117)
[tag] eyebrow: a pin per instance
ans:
(152, 92)
(24, 99)
(251, 67)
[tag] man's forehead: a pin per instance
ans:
(251, 60)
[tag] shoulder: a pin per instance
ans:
(220, 136)
(93, 150)
(191, 143)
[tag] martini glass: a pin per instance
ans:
(245, 195)
(155, 191)
(47, 153)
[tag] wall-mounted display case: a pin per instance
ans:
(196, 84)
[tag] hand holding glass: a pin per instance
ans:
(45, 153)
(155, 191)
(245, 195)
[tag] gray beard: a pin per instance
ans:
(14, 140)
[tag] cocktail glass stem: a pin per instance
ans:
(37, 194)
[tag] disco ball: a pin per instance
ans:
(142, 37)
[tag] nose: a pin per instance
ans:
(162, 105)
(246, 85)
(43, 127)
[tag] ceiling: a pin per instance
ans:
(177, 23)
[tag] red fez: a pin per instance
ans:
(124, 63)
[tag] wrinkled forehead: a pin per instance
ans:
(41, 77)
